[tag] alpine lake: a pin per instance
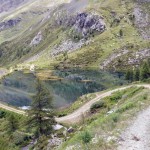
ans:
(66, 86)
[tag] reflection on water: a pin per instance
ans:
(18, 88)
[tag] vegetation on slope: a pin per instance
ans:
(13, 132)
(141, 73)
(121, 34)
(106, 123)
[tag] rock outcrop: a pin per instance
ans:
(37, 39)
(125, 58)
(6, 5)
(9, 23)
(142, 18)
(68, 46)
(83, 23)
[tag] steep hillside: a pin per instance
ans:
(113, 123)
(8, 5)
(62, 34)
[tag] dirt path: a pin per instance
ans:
(12, 109)
(78, 114)
(137, 136)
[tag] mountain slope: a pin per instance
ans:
(8, 5)
(63, 34)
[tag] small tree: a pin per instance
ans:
(148, 61)
(86, 138)
(144, 71)
(136, 75)
(129, 75)
(121, 33)
(12, 123)
(41, 113)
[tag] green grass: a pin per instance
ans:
(13, 140)
(90, 56)
(106, 43)
(77, 104)
(107, 128)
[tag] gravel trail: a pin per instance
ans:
(77, 115)
(137, 135)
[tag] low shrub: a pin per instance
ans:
(115, 117)
(97, 105)
(116, 96)
(86, 137)
(2, 114)
(21, 138)
(126, 107)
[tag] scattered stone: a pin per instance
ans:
(135, 138)
(113, 57)
(142, 20)
(111, 138)
(37, 39)
(70, 130)
(121, 139)
(57, 127)
(68, 46)
(9, 23)
(55, 141)
(74, 147)
(110, 112)
(134, 58)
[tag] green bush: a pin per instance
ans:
(20, 138)
(115, 117)
(86, 137)
(97, 105)
(115, 97)
(42, 143)
(2, 114)
(126, 107)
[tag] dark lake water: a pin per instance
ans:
(18, 88)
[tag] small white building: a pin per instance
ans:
(32, 67)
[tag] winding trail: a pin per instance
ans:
(15, 110)
(135, 137)
(77, 115)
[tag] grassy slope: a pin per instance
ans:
(91, 56)
(105, 44)
(31, 14)
(105, 129)
(17, 139)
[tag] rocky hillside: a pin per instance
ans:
(70, 33)
(7, 5)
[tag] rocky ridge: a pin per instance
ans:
(83, 23)
(68, 46)
(126, 58)
(7, 5)
(9, 23)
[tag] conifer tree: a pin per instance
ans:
(144, 71)
(136, 74)
(12, 124)
(129, 75)
(41, 113)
